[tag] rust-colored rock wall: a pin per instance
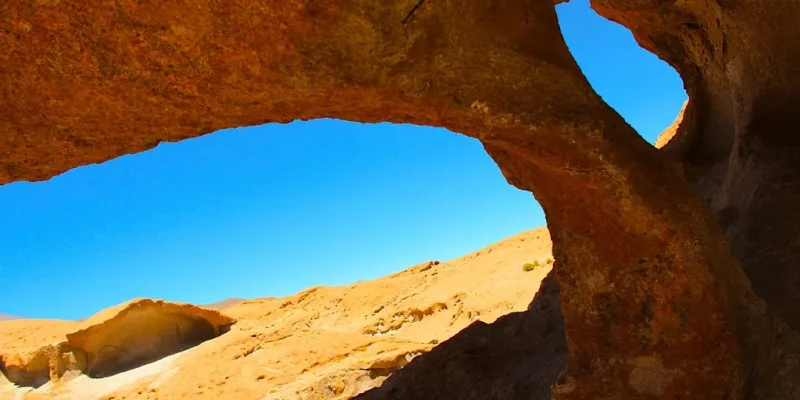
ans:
(83, 82)
(654, 304)
(739, 142)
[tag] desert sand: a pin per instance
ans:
(321, 343)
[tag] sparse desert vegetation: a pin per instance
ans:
(536, 264)
(531, 266)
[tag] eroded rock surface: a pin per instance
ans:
(48, 363)
(646, 277)
(143, 331)
(738, 141)
(112, 341)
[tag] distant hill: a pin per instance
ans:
(223, 304)
(4, 317)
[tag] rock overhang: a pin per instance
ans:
(117, 339)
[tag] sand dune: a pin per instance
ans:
(220, 305)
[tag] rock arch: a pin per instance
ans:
(654, 303)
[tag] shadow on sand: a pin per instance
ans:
(514, 358)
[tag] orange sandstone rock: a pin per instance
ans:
(648, 284)
(112, 341)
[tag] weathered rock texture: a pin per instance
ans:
(668, 134)
(654, 304)
(143, 331)
(112, 341)
(738, 141)
(42, 365)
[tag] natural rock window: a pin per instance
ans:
(643, 268)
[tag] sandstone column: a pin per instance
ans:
(739, 143)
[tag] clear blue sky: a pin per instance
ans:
(270, 210)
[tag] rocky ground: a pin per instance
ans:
(322, 343)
